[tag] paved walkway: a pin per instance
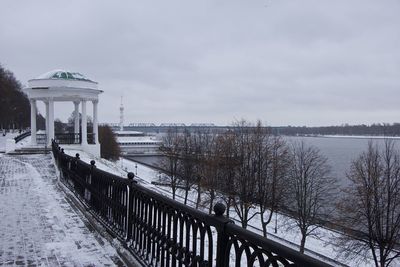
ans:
(38, 227)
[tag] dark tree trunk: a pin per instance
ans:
(186, 195)
(303, 242)
(228, 206)
(198, 196)
(173, 188)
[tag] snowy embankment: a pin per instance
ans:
(322, 246)
(3, 140)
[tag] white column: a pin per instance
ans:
(95, 124)
(84, 123)
(51, 120)
(47, 121)
(33, 122)
(76, 117)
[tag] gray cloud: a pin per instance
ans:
(284, 62)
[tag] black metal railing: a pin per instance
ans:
(68, 138)
(164, 232)
(22, 136)
(91, 138)
(73, 138)
(41, 139)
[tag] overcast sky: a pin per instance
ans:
(285, 62)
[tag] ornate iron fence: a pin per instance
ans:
(41, 139)
(164, 232)
(73, 138)
(68, 138)
(60, 138)
(90, 138)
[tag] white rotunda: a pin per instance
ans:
(61, 85)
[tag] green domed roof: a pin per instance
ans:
(65, 75)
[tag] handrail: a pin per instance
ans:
(22, 136)
(73, 138)
(164, 232)
(68, 138)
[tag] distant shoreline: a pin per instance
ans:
(349, 136)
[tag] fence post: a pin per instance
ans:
(76, 162)
(60, 165)
(89, 182)
(129, 206)
(222, 238)
(58, 155)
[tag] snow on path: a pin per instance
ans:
(3, 140)
(38, 226)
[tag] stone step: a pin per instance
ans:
(33, 148)
(30, 150)
(27, 153)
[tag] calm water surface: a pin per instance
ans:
(339, 151)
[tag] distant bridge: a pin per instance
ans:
(179, 127)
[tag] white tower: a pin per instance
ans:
(121, 116)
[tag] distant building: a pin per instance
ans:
(138, 143)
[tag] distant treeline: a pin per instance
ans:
(362, 129)
(373, 129)
(14, 104)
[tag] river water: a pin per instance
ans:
(340, 151)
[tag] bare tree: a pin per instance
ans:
(170, 148)
(201, 144)
(187, 163)
(371, 206)
(271, 176)
(211, 177)
(227, 164)
(310, 188)
(244, 181)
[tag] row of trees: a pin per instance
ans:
(256, 174)
(345, 129)
(253, 171)
(14, 105)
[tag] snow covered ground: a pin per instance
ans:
(38, 226)
(3, 140)
(24, 142)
